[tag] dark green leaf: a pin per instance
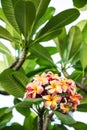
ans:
(14, 126)
(25, 14)
(11, 84)
(59, 127)
(48, 15)
(41, 52)
(60, 20)
(8, 8)
(82, 107)
(79, 126)
(65, 118)
(79, 3)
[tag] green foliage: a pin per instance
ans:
(65, 118)
(27, 24)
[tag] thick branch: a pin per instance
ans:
(4, 93)
(47, 120)
(21, 60)
(13, 64)
(40, 122)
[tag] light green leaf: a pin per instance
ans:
(4, 117)
(83, 55)
(65, 118)
(11, 84)
(4, 49)
(60, 20)
(8, 9)
(28, 102)
(5, 34)
(74, 41)
(61, 43)
(84, 33)
(82, 24)
(25, 14)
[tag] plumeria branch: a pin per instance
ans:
(47, 120)
(14, 63)
(21, 60)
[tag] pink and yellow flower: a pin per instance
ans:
(76, 98)
(34, 88)
(64, 107)
(42, 79)
(51, 101)
(54, 87)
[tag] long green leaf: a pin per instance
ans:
(28, 102)
(74, 41)
(5, 34)
(4, 49)
(25, 14)
(65, 118)
(41, 52)
(8, 8)
(60, 20)
(83, 55)
(79, 126)
(11, 84)
(82, 108)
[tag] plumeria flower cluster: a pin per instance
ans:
(57, 92)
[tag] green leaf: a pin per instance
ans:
(59, 127)
(48, 15)
(14, 126)
(28, 102)
(81, 24)
(41, 9)
(30, 122)
(8, 9)
(5, 34)
(79, 126)
(74, 41)
(61, 43)
(82, 107)
(41, 52)
(4, 49)
(4, 117)
(52, 50)
(25, 14)
(83, 55)
(23, 111)
(84, 33)
(11, 84)
(79, 3)
(65, 118)
(60, 20)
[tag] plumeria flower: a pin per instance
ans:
(64, 107)
(43, 79)
(51, 101)
(34, 88)
(52, 76)
(54, 87)
(76, 98)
